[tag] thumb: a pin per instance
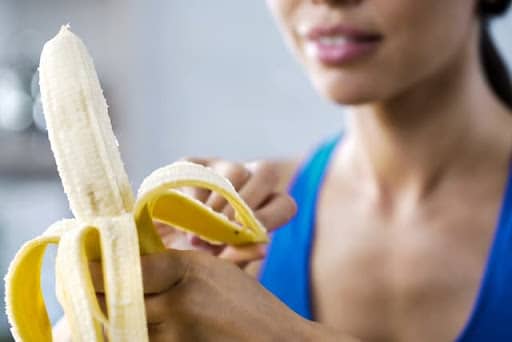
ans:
(162, 271)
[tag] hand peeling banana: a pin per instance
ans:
(108, 224)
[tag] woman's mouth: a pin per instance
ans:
(339, 44)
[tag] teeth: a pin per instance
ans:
(332, 40)
(312, 47)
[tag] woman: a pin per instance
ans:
(404, 221)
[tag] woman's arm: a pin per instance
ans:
(193, 296)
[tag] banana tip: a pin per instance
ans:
(65, 28)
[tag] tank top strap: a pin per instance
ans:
(286, 270)
(491, 316)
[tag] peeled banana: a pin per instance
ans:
(108, 224)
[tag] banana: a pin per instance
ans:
(109, 224)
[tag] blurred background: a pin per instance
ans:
(182, 77)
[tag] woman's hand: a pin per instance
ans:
(260, 184)
(263, 186)
(193, 296)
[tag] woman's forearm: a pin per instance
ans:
(319, 332)
(313, 332)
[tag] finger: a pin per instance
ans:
(200, 161)
(156, 308)
(236, 174)
(279, 209)
(160, 271)
(258, 188)
(155, 304)
(158, 331)
(199, 244)
(163, 229)
(200, 194)
(242, 255)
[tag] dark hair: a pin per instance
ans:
(494, 66)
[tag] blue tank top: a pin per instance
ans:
(286, 270)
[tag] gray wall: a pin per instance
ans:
(182, 77)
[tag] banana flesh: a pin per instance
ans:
(76, 114)
(108, 224)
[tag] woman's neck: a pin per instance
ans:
(408, 144)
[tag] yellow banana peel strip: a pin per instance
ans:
(23, 296)
(158, 200)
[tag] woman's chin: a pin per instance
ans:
(348, 97)
(348, 92)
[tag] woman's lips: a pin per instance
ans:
(339, 44)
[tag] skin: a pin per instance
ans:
(407, 211)
(398, 255)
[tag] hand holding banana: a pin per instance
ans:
(193, 296)
(261, 185)
(108, 224)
